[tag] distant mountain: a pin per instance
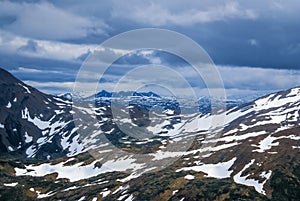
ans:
(146, 94)
(103, 93)
(150, 99)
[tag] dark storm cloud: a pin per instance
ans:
(259, 34)
(43, 20)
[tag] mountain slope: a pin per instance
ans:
(32, 122)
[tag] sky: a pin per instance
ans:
(254, 44)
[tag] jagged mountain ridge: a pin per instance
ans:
(150, 99)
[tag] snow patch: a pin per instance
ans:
(159, 155)
(130, 198)
(28, 138)
(30, 151)
(82, 198)
(11, 184)
(189, 177)
(36, 121)
(252, 182)
(78, 171)
(266, 144)
(8, 105)
(26, 88)
(219, 170)
(40, 195)
(237, 137)
(105, 193)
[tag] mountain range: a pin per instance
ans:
(53, 148)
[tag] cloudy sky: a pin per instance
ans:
(254, 44)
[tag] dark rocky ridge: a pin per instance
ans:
(16, 98)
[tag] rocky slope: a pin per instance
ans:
(33, 124)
